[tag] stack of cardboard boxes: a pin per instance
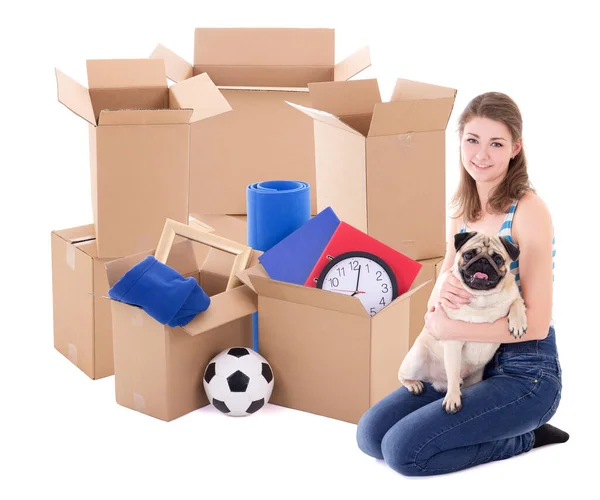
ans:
(256, 105)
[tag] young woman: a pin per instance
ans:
(506, 413)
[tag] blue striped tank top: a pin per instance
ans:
(506, 231)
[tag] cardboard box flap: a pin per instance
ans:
(402, 298)
(324, 117)
(200, 94)
(300, 294)
(352, 65)
(126, 73)
(410, 90)
(75, 96)
(403, 117)
(257, 271)
(264, 47)
(176, 67)
(345, 99)
(224, 308)
(144, 116)
(77, 234)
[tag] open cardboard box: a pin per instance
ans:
(328, 355)
(81, 314)
(159, 369)
(139, 146)
(257, 70)
(391, 156)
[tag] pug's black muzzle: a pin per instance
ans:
(481, 264)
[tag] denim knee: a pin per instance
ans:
(399, 450)
(367, 436)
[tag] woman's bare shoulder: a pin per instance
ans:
(531, 215)
(533, 207)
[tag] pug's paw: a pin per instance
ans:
(517, 320)
(452, 402)
(415, 387)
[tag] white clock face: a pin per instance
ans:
(363, 278)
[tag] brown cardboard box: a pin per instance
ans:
(159, 369)
(139, 146)
(82, 318)
(391, 157)
(257, 70)
(418, 302)
(329, 357)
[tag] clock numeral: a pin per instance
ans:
(372, 311)
(341, 271)
(367, 266)
(382, 301)
(384, 287)
(334, 282)
(379, 275)
(354, 265)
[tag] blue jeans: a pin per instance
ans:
(520, 391)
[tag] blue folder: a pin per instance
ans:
(293, 258)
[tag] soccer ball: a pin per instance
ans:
(238, 381)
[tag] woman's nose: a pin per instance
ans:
(482, 154)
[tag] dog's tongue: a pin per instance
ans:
(479, 275)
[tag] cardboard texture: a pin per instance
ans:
(158, 369)
(328, 356)
(139, 146)
(257, 70)
(391, 157)
(418, 302)
(81, 313)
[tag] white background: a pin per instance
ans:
(64, 436)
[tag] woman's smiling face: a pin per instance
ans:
(486, 149)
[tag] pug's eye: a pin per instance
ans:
(498, 260)
(468, 256)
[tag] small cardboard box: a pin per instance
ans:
(257, 70)
(329, 356)
(418, 302)
(81, 314)
(139, 146)
(159, 369)
(391, 157)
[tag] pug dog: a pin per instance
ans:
(482, 264)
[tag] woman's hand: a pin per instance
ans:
(452, 293)
(437, 322)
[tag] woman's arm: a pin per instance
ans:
(533, 233)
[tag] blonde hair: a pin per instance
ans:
(499, 107)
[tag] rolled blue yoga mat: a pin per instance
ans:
(275, 210)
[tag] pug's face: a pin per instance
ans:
(483, 261)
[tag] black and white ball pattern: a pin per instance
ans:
(238, 381)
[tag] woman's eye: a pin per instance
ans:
(471, 140)
(468, 256)
(497, 144)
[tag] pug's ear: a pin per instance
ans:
(512, 249)
(461, 238)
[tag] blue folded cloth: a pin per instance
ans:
(162, 292)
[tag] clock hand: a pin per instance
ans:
(357, 280)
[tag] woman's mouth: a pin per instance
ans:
(480, 166)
